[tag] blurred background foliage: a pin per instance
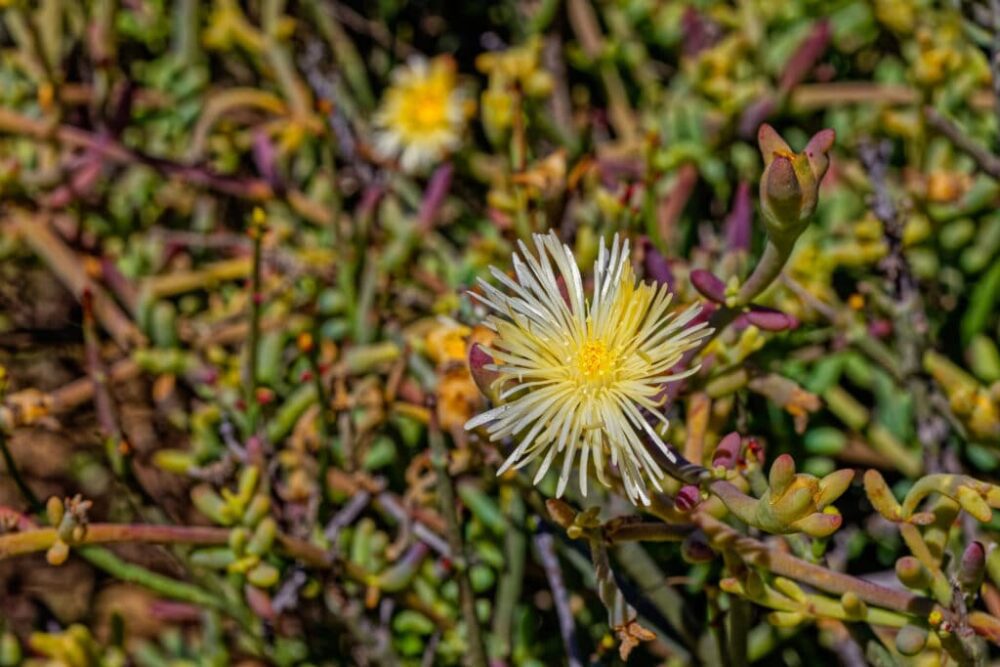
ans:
(229, 300)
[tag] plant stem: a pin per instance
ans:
(778, 562)
(135, 574)
(550, 562)
(739, 618)
(512, 579)
(16, 544)
(253, 342)
(767, 270)
(185, 43)
(15, 474)
(446, 497)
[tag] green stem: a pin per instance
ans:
(446, 497)
(253, 341)
(135, 574)
(767, 270)
(15, 474)
(757, 553)
(185, 37)
(739, 626)
(511, 581)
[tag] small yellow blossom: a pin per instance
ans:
(582, 375)
(520, 66)
(422, 114)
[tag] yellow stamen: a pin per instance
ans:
(594, 361)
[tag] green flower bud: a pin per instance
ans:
(789, 186)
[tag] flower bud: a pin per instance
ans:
(972, 567)
(789, 186)
(687, 498)
(479, 359)
(781, 191)
(728, 450)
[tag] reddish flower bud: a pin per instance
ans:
(687, 498)
(484, 377)
(728, 450)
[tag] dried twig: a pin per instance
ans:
(545, 544)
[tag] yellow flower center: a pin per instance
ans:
(423, 107)
(429, 112)
(595, 362)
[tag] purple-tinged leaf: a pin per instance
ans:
(806, 56)
(265, 159)
(739, 221)
(437, 190)
(658, 267)
(709, 285)
(769, 319)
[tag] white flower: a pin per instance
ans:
(422, 114)
(578, 375)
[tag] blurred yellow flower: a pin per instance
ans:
(574, 374)
(519, 65)
(421, 116)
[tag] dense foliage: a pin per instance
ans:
(263, 400)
